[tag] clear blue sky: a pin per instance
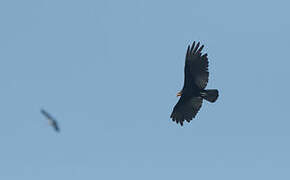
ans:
(109, 71)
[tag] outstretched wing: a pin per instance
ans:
(196, 67)
(186, 109)
(46, 114)
(55, 126)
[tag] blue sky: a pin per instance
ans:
(109, 71)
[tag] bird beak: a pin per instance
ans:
(179, 94)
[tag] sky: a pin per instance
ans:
(109, 71)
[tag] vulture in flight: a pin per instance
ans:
(51, 120)
(195, 81)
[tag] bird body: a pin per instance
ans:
(193, 91)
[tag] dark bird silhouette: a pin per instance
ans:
(51, 120)
(193, 91)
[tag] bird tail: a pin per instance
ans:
(210, 95)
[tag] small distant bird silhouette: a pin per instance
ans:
(51, 120)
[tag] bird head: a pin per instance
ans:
(179, 93)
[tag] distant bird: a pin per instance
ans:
(51, 120)
(193, 91)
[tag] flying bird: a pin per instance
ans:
(51, 120)
(193, 91)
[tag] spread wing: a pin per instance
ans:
(186, 109)
(196, 67)
(55, 126)
(46, 114)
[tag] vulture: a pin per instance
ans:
(193, 91)
(51, 120)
